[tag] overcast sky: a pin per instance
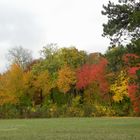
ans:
(35, 23)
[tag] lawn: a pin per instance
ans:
(71, 129)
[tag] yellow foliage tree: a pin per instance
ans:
(119, 88)
(43, 82)
(28, 79)
(11, 85)
(66, 78)
(5, 97)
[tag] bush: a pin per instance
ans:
(9, 111)
(104, 111)
(74, 112)
(88, 110)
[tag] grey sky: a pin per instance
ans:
(34, 23)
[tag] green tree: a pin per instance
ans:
(123, 20)
(114, 56)
(72, 57)
(49, 60)
(134, 47)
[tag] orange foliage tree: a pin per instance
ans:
(66, 79)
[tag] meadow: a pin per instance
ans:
(71, 129)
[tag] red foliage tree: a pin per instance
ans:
(135, 97)
(129, 57)
(93, 73)
(133, 88)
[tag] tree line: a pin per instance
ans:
(67, 82)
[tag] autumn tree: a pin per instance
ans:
(66, 79)
(120, 87)
(42, 85)
(133, 67)
(5, 96)
(54, 58)
(12, 85)
(89, 74)
(123, 27)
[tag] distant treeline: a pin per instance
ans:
(68, 82)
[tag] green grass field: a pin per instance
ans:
(71, 129)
